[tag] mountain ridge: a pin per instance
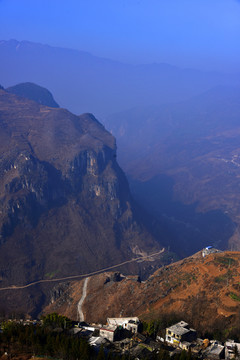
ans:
(65, 203)
(34, 92)
(97, 85)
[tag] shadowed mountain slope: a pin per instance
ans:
(188, 169)
(65, 203)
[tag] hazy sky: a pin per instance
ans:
(197, 33)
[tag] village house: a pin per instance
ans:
(180, 335)
(113, 330)
(232, 350)
(109, 332)
(209, 250)
(130, 323)
(185, 345)
(214, 351)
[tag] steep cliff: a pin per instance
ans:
(65, 205)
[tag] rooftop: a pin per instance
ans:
(122, 320)
(179, 330)
(183, 324)
(230, 344)
(108, 328)
(214, 349)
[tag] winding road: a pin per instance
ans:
(84, 294)
(18, 287)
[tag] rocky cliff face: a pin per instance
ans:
(65, 205)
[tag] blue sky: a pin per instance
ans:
(189, 33)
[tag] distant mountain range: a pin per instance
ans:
(65, 204)
(83, 83)
(183, 162)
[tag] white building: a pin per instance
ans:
(232, 350)
(209, 250)
(214, 351)
(109, 332)
(180, 334)
(129, 323)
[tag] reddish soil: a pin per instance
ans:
(202, 290)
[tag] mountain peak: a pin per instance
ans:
(65, 201)
(34, 92)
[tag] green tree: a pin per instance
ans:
(163, 355)
(101, 355)
(236, 352)
(110, 355)
(55, 320)
(151, 328)
(183, 355)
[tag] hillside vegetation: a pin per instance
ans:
(203, 291)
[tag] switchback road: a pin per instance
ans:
(18, 287)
